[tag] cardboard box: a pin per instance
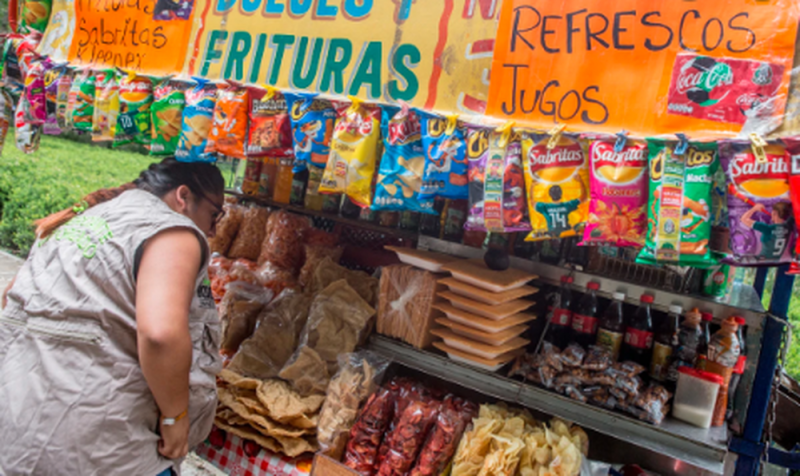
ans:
(326, 466)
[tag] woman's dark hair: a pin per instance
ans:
(159, 179)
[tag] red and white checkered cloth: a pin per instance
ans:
(238, 457)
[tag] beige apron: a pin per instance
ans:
(73, 399)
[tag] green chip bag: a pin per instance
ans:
(80, 105)
(35, 15)
(135, 100)
(679, 207)
(166, 113)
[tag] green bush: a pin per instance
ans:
(55, 177)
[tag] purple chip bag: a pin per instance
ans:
(496, 182)
(52, 78)
(36, 112)
(762, 228)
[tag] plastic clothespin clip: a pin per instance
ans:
(452, 123)
(622, 139)
(271, 91)
(355, 103)
(505, 133)
(683, 144)
(758, 145)
(555, 135)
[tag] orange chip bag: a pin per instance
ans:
(557, 179)
(228, 133)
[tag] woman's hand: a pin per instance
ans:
(174, 442)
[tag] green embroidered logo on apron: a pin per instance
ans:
(86, 232)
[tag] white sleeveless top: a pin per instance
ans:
(73, 398)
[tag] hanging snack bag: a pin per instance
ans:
(402, 164)
(759, 206)
(446, 168)
(80, 106)
(196, 124)
(106, 106)
(618, 203)
(312, 122)
(62, 98)
(793, 158)
(165, 115)
(27, 135)
(269, 122)
(35, 15)
(34, 92)
(135, 100)
(6, 115)
(228, 133)
(354, 147)
(679, 204)
(557, 181)
(52, 79)
(496, 181)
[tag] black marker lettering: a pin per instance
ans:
(648, 43)
(595, 34)
(585, 116)
(546, 32)
(748, 31)
(618, 30)
(517, 32)
(680, 31)
(571, 27)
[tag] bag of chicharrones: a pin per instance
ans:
(557, 183)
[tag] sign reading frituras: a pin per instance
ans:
(646, 66)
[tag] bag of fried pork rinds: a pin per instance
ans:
(405, 306)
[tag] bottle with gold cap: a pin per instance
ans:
(723, 353)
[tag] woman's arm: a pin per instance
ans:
(164, 291)
(4, 301)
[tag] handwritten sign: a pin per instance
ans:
(706, 67)
(122, 33)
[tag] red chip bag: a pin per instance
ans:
(269, 123)
(793, 157)
(228, 132)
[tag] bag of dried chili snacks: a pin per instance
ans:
(367, 433)
(443, 439)
(406, 391)
(408, 437)
(283, 245)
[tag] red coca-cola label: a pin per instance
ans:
(638, 338)
(723, 89)
(585, 324)
(740, 364)
(561, 317)
(540, 157)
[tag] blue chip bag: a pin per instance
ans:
(198, 116)
(402, 163)
(446, 168)
(312, 128)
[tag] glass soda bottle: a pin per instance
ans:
(738, 369)
(705, 339)
(612, 327)
(560, 332)
(638, 344)
(665, 344)
(689, 341)
(586, 319)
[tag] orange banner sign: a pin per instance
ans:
(709, 68)
(123, 33)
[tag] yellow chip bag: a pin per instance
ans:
(106, 106)
(557, 181)
(354, 150)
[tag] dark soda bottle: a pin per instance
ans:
(350, 209)
(299, 183)
(586, 319)
(738, 370)
(638, 343)
(689, 338)
(665, 344)
(705, 339)
(559, 334)
(612, 327)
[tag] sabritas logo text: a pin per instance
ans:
(540, 157)
(746, 167)
(618, 167)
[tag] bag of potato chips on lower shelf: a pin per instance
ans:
(106, 106)
(679, 205)
(196, 124)
(165, 114)
(80, 105)
(135, 100)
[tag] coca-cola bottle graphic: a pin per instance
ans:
(638, 343)
(585, 319)
(560, 331)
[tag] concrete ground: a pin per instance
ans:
(9, 265)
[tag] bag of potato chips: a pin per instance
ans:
(446, 166)
(34, 92)
(617, 208)
(761, 223)
(354, 147)
(26, 134)
(496, 181)
(269, 123)
(793, 158)
(312, 122)
(62, 98)
(106, 106)
(52, 77)
(557, 180)
(166, 114)
(135, 100)
(80, 105)
(679, 204)
(196, 124)
(402, 164)
(35, 15)
(228, 132)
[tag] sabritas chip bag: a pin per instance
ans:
(618, 203)
(354, 145)
(446, 169)
(52, 78)
(196, 124)
(166, 115)
(312, 122)
(62, 98)
(80, 106)
(402, 163)
(759, 206)
(135, 101)
(34, 92)
(496, 181)
(679, 204)
(106, 106)
(793, 157)
(557, 181)
(269, 123)
(228, 132)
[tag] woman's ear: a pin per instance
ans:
(183, 196)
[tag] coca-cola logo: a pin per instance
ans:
(750, 101)
(540, 157)
(604, 154)
(745, 166)
(718, 75)
(405, 129)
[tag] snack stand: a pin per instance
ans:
(328, 188)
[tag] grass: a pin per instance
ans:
(58, 175)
